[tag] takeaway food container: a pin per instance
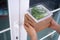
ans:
(41, 15)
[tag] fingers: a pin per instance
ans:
(26, 28)
(27, 21)
(30, 30)
(28, 25)
(29, 18)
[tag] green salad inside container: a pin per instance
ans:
(38, 13)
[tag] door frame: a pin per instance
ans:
(17, 9)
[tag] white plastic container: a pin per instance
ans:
(48, 13)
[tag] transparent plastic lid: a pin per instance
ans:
(39, 12)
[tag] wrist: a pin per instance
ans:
(58, 29)
(34, 37)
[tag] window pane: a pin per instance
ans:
(4, 20)
(5, 36)
(4, 17)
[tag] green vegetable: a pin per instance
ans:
(38, 13)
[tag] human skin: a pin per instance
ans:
(31, 31)
(54, 25)
(38, 26)
(29, 23)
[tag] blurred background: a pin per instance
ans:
(4, 18)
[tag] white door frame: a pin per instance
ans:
(17, 9)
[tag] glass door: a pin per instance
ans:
(4, 21)
(48, 33)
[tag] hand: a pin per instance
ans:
(37, 26)
(54, 25)
(29, 20)
(29, 27)
(31, 31)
